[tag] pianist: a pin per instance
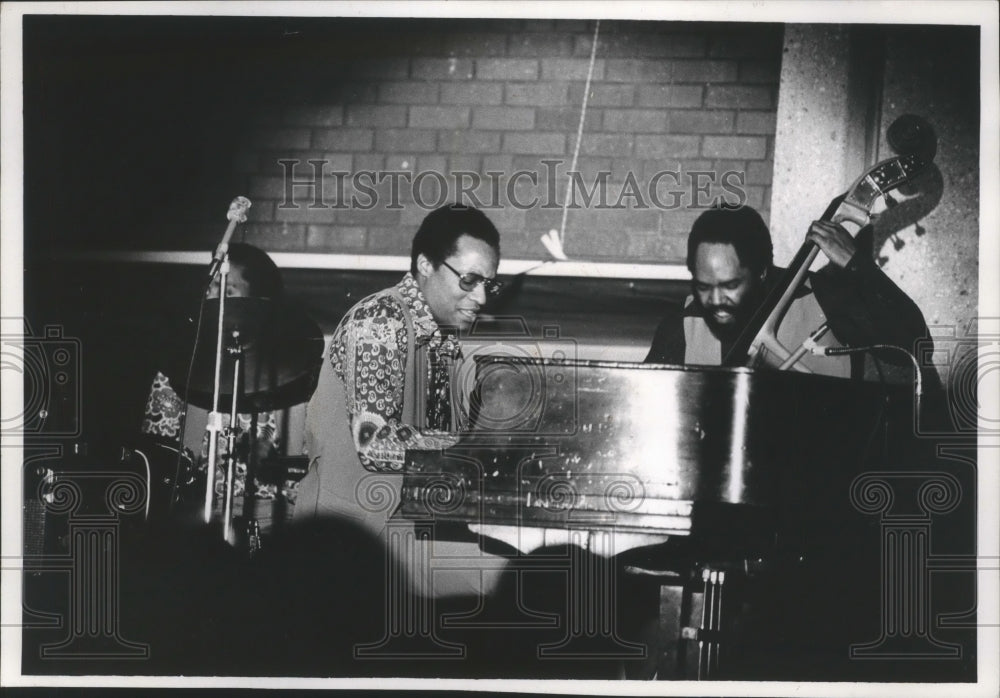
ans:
(385, 388)
(730, 258)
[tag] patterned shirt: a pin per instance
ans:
(163, 413)
(368, 353)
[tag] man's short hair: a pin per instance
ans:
(441, 228)
(739, 226)
(261, 273)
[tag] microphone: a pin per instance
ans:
(237, 214)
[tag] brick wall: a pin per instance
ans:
(504, 96)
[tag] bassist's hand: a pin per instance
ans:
(836, 243)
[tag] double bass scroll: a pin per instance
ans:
(759, 341)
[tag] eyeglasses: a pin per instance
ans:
(468, 282)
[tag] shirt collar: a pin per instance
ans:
(425, 327)
(424, 324)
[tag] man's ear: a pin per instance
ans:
(763, 274)
(424, 266)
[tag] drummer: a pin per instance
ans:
(252, 274)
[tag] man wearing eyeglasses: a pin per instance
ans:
(385, 388)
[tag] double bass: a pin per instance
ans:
(758, 342)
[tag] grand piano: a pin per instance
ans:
(652, 450)
(694, 472)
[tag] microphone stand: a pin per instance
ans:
(220, 262)
(214, 417)
(227, 524)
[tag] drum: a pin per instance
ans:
(173, 484)
(135, 488)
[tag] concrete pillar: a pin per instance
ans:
(932, 252)
(824, 127)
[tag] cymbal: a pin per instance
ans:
(280, 349)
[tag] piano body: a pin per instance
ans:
(697, 469)
(727, 456)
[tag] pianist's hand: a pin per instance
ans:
(836, 243)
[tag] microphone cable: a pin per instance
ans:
(918, 384)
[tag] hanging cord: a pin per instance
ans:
(182, 422)
(553, 240)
